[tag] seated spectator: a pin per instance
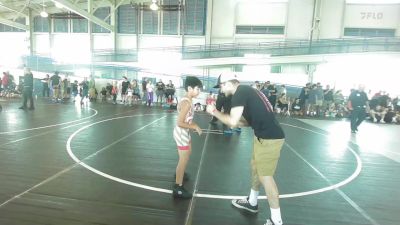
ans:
(378, 113)
(397, 117)
(389, 116)
(283, 104)
(296, 108)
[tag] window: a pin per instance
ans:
(170, 17)
(240, 29)
(79, 25)
(101, 13)
(127, 19)
(150, 22)
(60, 25)
(6, 28)
(369, 32)
(195, 17)
(40, 24)
(276, 69)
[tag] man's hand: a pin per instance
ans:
(210, 109)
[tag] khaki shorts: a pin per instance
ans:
(266, 153)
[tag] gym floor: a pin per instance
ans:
(107, 164)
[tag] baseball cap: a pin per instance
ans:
(226, 76)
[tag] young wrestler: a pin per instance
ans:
(181, 134)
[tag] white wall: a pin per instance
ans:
(126, 41)
(372, 16)
(41, 43)
(299, 19)
(102, 41)
(260, 13)
(223, 21)
(156, 41)
(332, 13)
(194, 40)
(71, 48)
(12, 45)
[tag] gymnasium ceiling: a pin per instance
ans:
(12, 9)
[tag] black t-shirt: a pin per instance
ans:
(328, 95)
(28, 80)
(258, 112)
(55, 79)
(358, 99)
(74, 87)
(160, 86)
(144, 84)
(125, 84)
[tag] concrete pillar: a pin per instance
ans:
(90, 11)
(210, 4)
(29, 32)
(114, 23)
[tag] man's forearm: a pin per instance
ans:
(224, 118)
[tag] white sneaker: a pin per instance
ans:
(269, 222)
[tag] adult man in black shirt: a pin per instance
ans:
(28, 89)
(160, 91)
(124, 89)
(56, 83)
(251, 108)
(223, 102)
(358, 105)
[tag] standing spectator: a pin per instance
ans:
(92, 89)
(109, 89)
(5, 81)
(144, 90)
(65, 86)
(56, 83)
(160, 91)
(124, 89)
(45, 86)
(282, 90)
(264, 89)
(85, 90)
(304, 98)
(136, 91)
(328, 98)
(150, 92)
(28, 90)
(251, 108)
(358, 105)
(319, 99)
(312, 100)
(74, 88)
(272, 95)
(169, 91)
(103, 93)
(114, 92)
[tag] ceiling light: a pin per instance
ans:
(44, 14)
(154, 5)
